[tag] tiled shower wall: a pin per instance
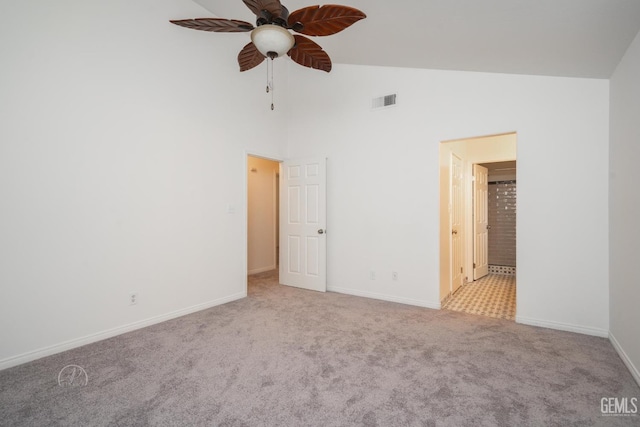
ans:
(502, 219)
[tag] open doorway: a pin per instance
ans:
(477, 225)
(262, 215)
(287, 249)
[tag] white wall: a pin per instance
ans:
(262, 213)
(624, 207)
(122, 144)
(383, 173)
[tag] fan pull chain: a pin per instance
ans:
(267, 76)
(270, 83)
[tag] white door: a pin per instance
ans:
(480, 222)
(457, 250)
(303, 253)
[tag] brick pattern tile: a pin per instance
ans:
(502, 219)
(501, 269)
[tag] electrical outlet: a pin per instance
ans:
(372, 275)
(394, 275)
(133, 298)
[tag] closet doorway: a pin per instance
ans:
(263, 193)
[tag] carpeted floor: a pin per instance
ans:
(289, 357)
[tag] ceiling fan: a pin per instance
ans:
(271, 37)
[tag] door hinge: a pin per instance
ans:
(474, 265)
(460, 269)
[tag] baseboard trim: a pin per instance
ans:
(261, 269)
(88, 339)
(635, 372)
(383, 297)
(586, 330)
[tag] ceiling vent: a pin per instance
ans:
(384, 101)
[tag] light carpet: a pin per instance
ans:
(289, 357)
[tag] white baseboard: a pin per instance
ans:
(261, 269)
(629, 364)
(586, 330)
(383, 297)
(79, 342)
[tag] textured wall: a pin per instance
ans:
(502, 219)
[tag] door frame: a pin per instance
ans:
(505, 146)
(460, 231)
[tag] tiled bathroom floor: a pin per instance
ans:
(493, 295)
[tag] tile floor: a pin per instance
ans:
(493, 295)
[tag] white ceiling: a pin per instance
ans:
(573, 38)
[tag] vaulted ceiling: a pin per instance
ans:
(573, 38)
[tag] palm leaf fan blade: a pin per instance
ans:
(215, 25)
(324, 20)
(249, 57)
(258, 7)
(308, 53)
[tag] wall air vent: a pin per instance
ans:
(384, 101)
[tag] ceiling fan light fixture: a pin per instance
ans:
(272, 40)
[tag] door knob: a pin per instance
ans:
(321, 231)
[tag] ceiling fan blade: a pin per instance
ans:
(258, 7)
(249, 57)
(215, 25)
(308, 53)
(324, 20)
